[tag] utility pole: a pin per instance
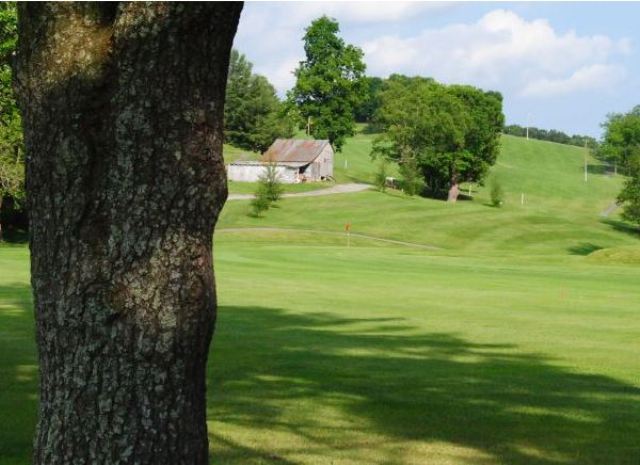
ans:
(586, 166)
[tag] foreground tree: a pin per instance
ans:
(329, 83)
(122, 108)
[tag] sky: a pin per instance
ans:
(559, 65)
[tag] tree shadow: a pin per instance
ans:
(622, 226)
(395, 385)
(600, 169)
(584, 248)
(392, 383)
(18, 374)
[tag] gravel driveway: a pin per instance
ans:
(336, 189)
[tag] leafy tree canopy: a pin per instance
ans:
(621, 141)
(551, 135)
(254, 116)
(11, 149)
(329, 83)
(366, 109)
(450, 132)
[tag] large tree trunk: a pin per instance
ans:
(122, 107)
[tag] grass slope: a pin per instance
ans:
(514, 343)
(561, 214)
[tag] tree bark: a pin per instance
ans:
(122, 109)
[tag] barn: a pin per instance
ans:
(296, 160)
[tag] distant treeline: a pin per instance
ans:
(551, 135)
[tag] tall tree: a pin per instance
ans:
(122, 108)
(329, 82)
(254, 116)
(629, 197)
(621, 140)
(11, 149)
(367, 107)
(451, 133)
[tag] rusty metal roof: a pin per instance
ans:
(294, 150)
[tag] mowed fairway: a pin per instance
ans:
(514, 340)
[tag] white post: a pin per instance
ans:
(469, 189)
(522, 198)
(586, 166)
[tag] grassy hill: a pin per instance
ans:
(512, 339)
(560, 216)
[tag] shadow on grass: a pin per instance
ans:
(584, 248)
(622, 226)
(278, 372)
(18, 374)
(600, 168)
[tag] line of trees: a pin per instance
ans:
(551, 135)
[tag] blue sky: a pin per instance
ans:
(558, 65)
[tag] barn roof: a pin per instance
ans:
(294, 150)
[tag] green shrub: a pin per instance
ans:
(411, 180)
(270, 183)
(260, 203)
(497, 193)
(380, 178)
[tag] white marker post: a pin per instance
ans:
(586, 169)
(522, 198)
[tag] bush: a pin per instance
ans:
(496, 193)
(260, 203)
(270, 183)
(269, 191)
(380, 178)
(411, 182)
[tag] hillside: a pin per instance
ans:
(560, 216)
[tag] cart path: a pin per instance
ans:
(336, 189)
(610, 209)
(333, 233)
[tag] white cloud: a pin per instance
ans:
(270, 33)
(502, 50)
(585, 78)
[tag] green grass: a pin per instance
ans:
(515, 342)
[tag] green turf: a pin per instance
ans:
(516, 341)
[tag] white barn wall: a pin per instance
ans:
(253, 171)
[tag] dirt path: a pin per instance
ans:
(334, 233)
(336, 189)
(610, 209)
